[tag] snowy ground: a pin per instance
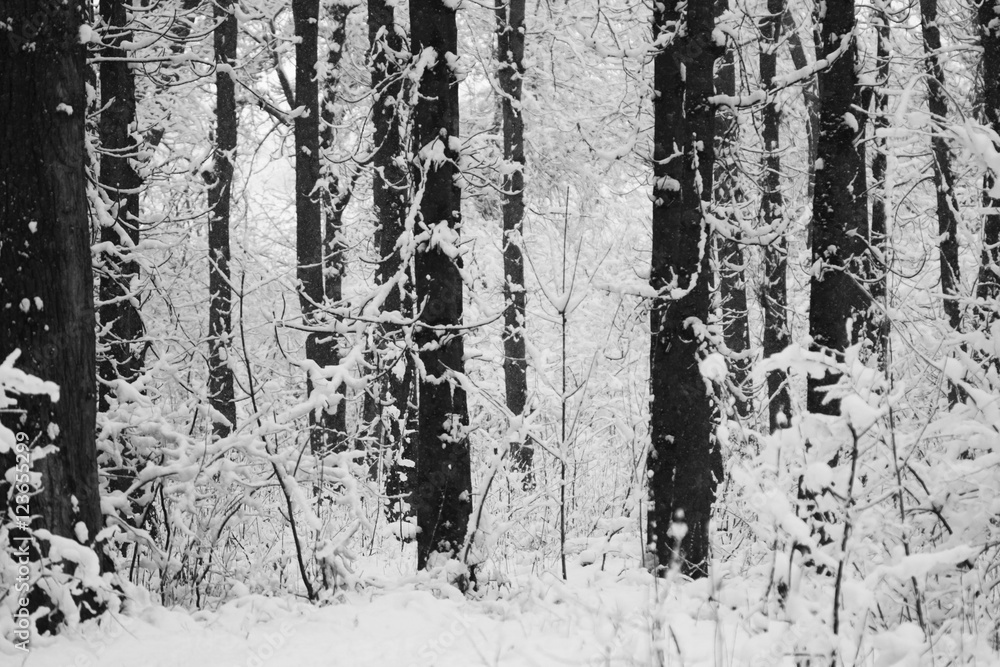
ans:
(598, 618)
(620, 616)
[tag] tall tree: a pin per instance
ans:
(988, 287)
(388, 403)
(510, 53)
(442, 486)
(944, 180)
(335, 195)
(732, 263)
(838, 300)
(321, 347)
(878, 284)
(772, 213)
(219, 178)
(46, 280)
(121, 323)
(683, 462)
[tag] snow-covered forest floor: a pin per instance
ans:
(611, 617)
(615, 615)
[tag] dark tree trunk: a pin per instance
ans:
(732, 263)
(772, 212)
(220, 180)
(684, 463)
(944, 182)
(878, 285)
(388, 404)
(442, 487)
(838, 299)
(321, 349)
(510, 53)
(335, 197)
(988, 288)
(46, 280)
(121, 324)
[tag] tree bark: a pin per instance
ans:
(321, 348)
(220, 180)
(878, 285)
(684, 464)
(391, 403)
(46, 280)
(510, 74)
(772, 211)
(944, 181)
(732, 263)
(121, 322)
(335, 197)
(442, 485)
(988, 287)
(838, 300)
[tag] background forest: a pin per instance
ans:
(693, 298)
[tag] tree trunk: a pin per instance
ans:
(684, 465)
(46, 279)
(220, 180)
(838, 301)
(772, 211)
(389, 403)
(878, 286)
(121, 323)
(335, 197)
(944, 182)
(510, 74)
(988, 287)
(442, 486)
(732, 263)
(321, 348)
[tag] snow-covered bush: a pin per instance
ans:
(47, 581)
